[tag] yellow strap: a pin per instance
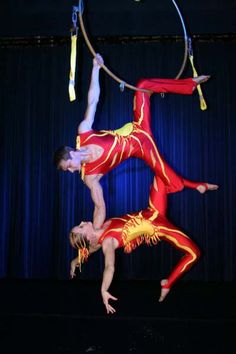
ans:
(72, 68)
(202, 100)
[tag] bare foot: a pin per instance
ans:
(202, 188)
(202, 78)
(164, 291)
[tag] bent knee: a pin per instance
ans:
(197, 253)
(193, 252)
(141, 83)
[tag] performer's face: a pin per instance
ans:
(84, 229)
(71, 165)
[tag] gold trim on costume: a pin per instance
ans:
(174, 230)
(135, 138)
(141, 113)
(78, 142)
(155, 186)
(111, 149)
(114, 160)
(131, 148)
(158, 155)
(154, 216)
(92, 135)
(153, 159)
(173, 239)
(122, 219)
(122, 151)
(151, 204)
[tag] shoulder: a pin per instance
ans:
(84, 127)
(110, 243)
(106, 224)
(91, 180)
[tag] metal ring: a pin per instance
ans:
(117, 78)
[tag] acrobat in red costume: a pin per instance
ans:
(151, 226)
(136, 140)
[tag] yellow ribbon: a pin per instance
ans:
(72, 68)
(201, 98)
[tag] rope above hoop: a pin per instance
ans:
(79, 9)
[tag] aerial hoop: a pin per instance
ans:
(187, 52)
(90, 47)
(186, 41)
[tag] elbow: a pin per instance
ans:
(100, 208)
(109, 269)
(93, 101)
(98, 224)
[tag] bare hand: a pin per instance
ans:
(98, 61)
(73, 266)
(106, 297)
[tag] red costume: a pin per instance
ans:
(151, 226)
(135, 139)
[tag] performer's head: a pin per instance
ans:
(67, 159)
(79, 239)
(80, 235)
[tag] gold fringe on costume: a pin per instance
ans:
(139, 230)
(145, 238)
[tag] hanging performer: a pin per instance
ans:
(98, 152)
(148, 226)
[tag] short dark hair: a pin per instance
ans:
(62, 153)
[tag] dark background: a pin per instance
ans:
(39, 205)
(124, 17)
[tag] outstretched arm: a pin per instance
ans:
(73, 265)
(93, 96)
(109, 246)
(95, 187)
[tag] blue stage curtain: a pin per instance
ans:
(39, 205)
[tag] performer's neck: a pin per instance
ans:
(85, 155)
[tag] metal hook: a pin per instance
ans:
(122, 86)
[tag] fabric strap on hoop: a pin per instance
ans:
(203, 104)
(72, 94)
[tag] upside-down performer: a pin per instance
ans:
(98, 152)
(148, 226)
